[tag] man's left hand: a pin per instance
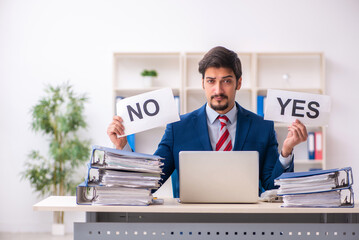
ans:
(297, 133)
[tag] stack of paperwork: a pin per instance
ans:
(321, 188)
(119, 177)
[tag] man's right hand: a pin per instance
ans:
(114, 129)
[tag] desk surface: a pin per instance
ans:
(68, 203)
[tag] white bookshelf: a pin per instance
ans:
(300, 72)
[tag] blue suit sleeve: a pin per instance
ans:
(272, 167)
(165, 150)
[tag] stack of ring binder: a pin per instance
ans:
(117, 177)
(320, 188)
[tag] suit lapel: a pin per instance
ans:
(243, 124)
(200, 126)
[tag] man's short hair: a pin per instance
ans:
(221, 57)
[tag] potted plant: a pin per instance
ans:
(58, 116)
(148, 77)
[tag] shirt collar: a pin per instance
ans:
(212, 114)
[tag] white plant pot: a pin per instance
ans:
(58, 229)
(148, 81)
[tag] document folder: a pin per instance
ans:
(103, 195)
(110, 158)
(84, 194)
(117, 177)
(320, 188)
(329, 199)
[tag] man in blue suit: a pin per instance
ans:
(200, 130)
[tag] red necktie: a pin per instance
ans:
(224, 143)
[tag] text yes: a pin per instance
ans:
(298, 105)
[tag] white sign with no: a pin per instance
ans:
(148, 110)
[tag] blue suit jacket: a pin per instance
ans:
(252, 134)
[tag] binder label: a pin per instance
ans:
(286, 106)
(148, 110)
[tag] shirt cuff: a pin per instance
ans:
(127, 148)
(286, 162)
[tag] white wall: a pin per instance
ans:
(48, 41)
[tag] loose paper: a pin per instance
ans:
(287, 106)
(148, 110)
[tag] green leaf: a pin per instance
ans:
(58, 115)
(151, 73)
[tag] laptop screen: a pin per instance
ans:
(218, 176)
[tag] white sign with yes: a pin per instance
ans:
(286, 106)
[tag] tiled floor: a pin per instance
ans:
(33, 236)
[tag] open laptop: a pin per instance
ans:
(218, 176)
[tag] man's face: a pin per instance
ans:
(220, 86)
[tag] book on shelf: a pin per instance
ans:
(315, 145)
(131, 140)
(117, 177)
(311, 145)
(178, 103)
(318, 146)
(261, 105)
(320, 188)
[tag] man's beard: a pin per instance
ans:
(219, 107)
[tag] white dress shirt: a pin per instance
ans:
(214, 127)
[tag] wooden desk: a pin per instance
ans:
(174, 220)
